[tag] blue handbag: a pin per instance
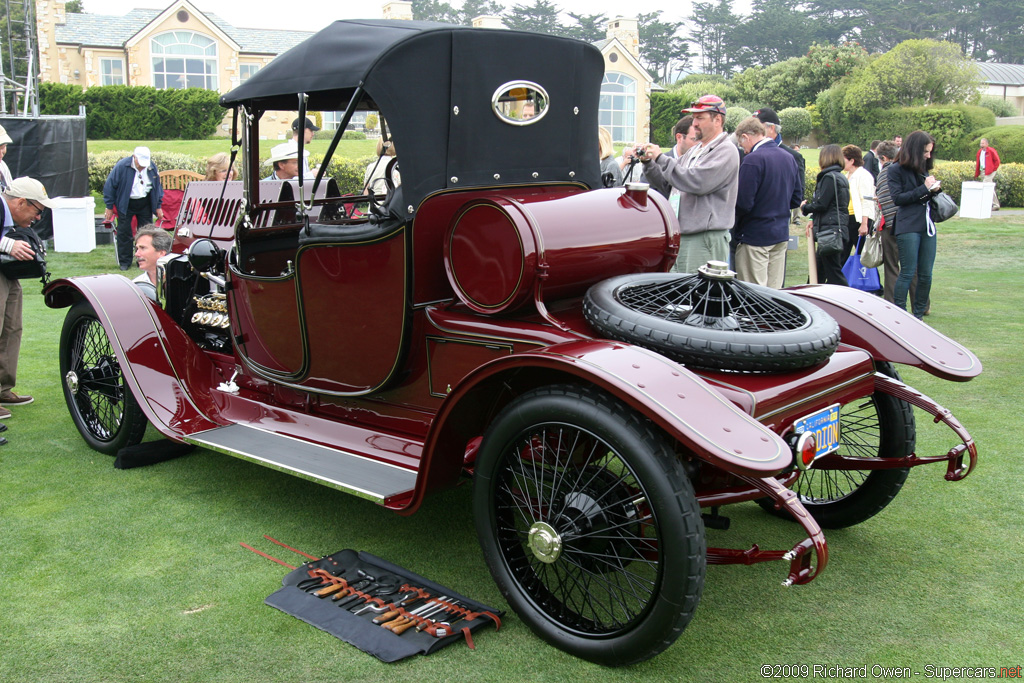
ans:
(860, 276)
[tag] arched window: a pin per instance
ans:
(618, 106)
(184, 59)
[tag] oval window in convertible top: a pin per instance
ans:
(520, 103)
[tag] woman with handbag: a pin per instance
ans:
(911, 185)
(829, 216)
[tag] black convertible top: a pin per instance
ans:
(433, 83)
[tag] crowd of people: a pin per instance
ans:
(736, 196)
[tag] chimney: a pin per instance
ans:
(628, 33)
(398, 9)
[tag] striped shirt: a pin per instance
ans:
(886, 206)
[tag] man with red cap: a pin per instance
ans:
(706, 176)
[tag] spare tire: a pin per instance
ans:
(711, 320)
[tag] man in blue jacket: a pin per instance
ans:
(768, 189)
(133, 188)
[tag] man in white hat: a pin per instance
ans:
(133, 188)
(285, 160)
(21, 203)
(5, 173)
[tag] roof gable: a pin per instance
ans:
(609, 44)
(146, 30)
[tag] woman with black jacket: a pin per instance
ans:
(911, 185)
(830, 209)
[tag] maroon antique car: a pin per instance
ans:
(501, 315)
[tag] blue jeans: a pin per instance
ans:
(917, 256)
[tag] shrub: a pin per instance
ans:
(353, 135)
(998, 106)
(796, 123)
(121, 112)
(100, 164)
(733, 116)
(1008, 141)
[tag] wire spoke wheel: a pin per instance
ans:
(100, 402)
(709, 303)
(574, 526)
(878, 426)
(711, 320)
(589, 525)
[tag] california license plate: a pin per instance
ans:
(824, 424)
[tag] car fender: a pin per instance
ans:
(167, 372)
(890, 333)
(686, 407)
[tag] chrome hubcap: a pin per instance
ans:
(545, 542)
(71, 379)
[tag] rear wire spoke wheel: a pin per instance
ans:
(877, 426)
(101, 404)
(711, 320)
(589, 525)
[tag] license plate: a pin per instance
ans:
(824, 424)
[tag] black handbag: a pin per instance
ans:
(830, 238)
(35, 267)
(942, 207)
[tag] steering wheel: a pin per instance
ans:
(379, 208)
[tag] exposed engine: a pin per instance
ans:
(196, 302)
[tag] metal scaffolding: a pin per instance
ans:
(19, 77)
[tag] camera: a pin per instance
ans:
(639, 151)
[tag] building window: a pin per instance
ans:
(184, 59)
(111, 72)
(617, 111)
(246, 71)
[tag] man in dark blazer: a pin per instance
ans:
(768, 190)
(133, 188)
(773, 131)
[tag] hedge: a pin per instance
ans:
(1009, 180)
(348, 173)
(950, 124)
(122, 112)
(1008, 141)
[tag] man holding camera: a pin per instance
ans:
(706, 176)
(21, 203)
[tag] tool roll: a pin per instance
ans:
(380, 608)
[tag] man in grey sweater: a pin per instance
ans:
(706, 176)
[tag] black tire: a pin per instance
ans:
(766, 330)
(880, 426)
(580, 467)
(101, 404)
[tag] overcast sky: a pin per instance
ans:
(312, 15)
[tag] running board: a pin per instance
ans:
(360, 476)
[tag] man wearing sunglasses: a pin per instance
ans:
(706, 176)
(21, 204)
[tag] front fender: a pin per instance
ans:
(689, 409)
(167, 372)
(889, 333)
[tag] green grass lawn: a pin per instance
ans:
(137, 575)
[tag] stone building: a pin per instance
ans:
(182, 46)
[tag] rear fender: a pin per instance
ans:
(171, 377)
(689, 409)
(891, 334)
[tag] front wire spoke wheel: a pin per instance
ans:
(589, 524)
(101, 404)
